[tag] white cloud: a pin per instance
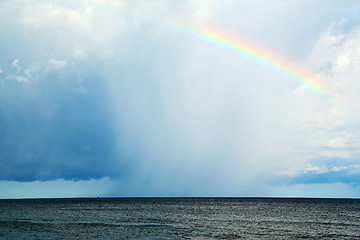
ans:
(17, 78)
(355, 169)
(57, 63)
(328, 130)
(214, 113)
(35, 70)
(16, 64)
(86, 29)
(18, 75)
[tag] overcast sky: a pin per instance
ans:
(123, 98)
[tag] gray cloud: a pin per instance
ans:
(49, 131)
(118, 94)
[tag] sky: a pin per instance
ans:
(103, 98)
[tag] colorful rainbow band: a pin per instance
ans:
(224, 41)
(257, 54)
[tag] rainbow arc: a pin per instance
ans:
(257, 54)
(224, 41)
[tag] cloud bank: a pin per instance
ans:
(99, 90)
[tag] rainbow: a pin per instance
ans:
(226, 42)
(257, 54)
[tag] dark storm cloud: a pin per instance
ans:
(347, 176)
(50, 129)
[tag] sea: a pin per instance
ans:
(180, 218)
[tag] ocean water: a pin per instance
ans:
(180, 218)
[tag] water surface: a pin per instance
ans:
(180, 218)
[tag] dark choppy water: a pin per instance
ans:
(180, 218)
